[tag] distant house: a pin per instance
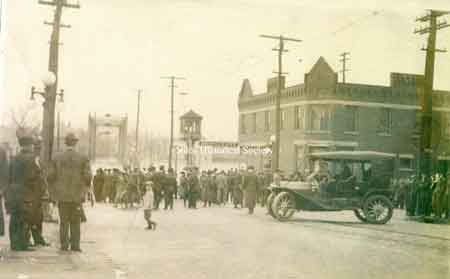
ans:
(324, 114)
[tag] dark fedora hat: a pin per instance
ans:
(70, 139)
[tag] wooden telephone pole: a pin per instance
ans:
(172, 87)
(138, 113)
(427, 102)
(280, 50)
(344, 60)
(50, 99)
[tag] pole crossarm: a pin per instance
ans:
(59, 25)
(434, 50)
(280, 38)
(282, 73)
(282, 50)
(63, 4)
(172, 77)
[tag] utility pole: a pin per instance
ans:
(138, 112)
(280, 50)
(427, 102)
(344, 60)
(172, 87)
(50, 91)
(58, 131)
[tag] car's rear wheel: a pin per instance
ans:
(283, 206)
(269, 202)
(378, 209)
(359, 213)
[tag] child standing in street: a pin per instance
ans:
(148, 206)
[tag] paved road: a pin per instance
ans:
(225, 243)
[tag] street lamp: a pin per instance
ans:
(49, 95)
(49, 79)
(272, 138)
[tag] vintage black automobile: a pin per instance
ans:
(342, 180)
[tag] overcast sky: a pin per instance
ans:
(117, 46)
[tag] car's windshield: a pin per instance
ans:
(342, 170)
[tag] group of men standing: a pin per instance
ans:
(26, 184)
(105, 184)
(423, 195)
(128, 187)
(240, 187)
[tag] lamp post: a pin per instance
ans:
(272, 140)
(48, 123)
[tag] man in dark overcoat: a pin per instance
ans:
(210, 189)
(158, 186)
(98, 182)
(250, 186)
(70, 172)
(3, 180)
(193, 189)
(237, 190)
(38, 195)
(170, 186)
(22, 177)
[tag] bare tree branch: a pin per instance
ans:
(22, 117)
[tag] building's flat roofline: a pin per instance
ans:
(351, 84)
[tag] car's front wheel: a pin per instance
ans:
(359, 213)
(283, 206)
(378, 209)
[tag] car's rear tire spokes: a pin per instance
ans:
(378, 209)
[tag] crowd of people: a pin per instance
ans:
(126, 188)
(423, 196)
(152, 188)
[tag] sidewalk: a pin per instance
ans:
(50, 263)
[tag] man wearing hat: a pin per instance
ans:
(38, 195)
(237, 191)
(23, 178)
(158, 180)
(70, 174)
(193, 187)
(170, 189)
(250, 186)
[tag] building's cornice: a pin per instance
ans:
(344, 103)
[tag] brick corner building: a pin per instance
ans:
(323, 114)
